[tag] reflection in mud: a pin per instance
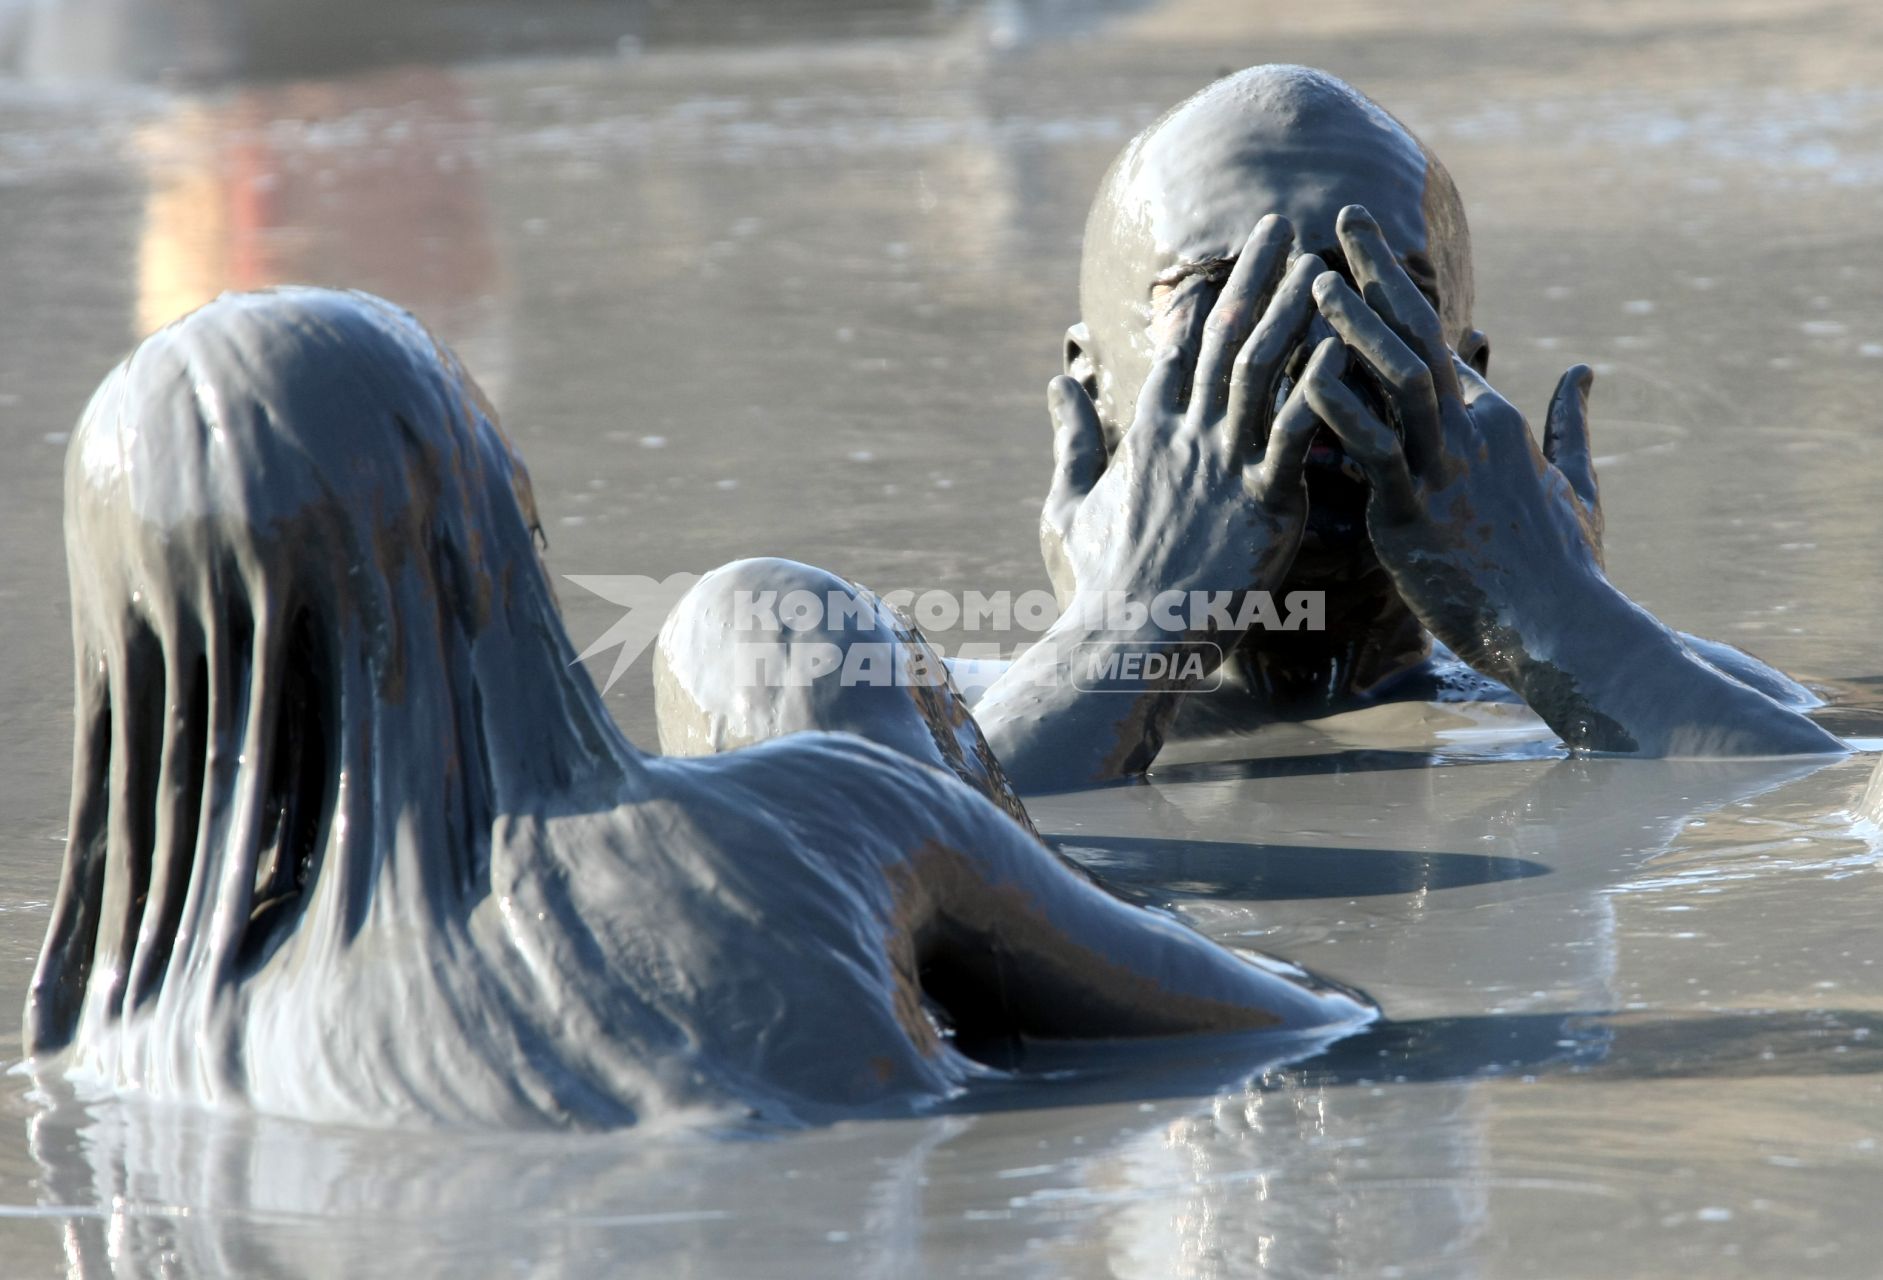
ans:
(1310, 1170)
(323, 184)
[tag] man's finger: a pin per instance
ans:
(1079, 454)
(1166, 389)
(1472, 385)
(1366, 439)
(1264, 357)
(1388, 289)
(1285, 458)
(1245, 297)
(1405, 377)
(1566, 444)
(1566, 433)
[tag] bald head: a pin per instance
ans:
(1183, 195)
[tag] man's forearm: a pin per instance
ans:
(1090, 703)
(1617, 679)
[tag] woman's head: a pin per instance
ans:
(306, 589)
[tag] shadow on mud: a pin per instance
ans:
(1155, 872)
(1598, 1047)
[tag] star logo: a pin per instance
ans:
(648, 601)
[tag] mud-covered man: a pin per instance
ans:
(1426, 511)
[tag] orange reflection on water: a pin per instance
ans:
(371, 183)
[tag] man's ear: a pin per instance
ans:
(1079, 364)
(1475, 351)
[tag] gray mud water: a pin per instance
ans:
(793, 284)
